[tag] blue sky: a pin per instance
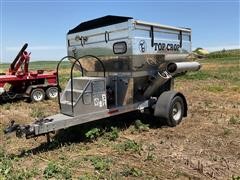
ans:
(44, 24)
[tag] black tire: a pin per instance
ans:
(37, 95)
(176, 111)
(52, 92)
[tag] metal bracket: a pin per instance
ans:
(143, 105)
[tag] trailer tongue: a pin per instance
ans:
(132, 67)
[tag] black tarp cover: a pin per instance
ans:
(99, 22)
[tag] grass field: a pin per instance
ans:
(35, 65)
(206, 145)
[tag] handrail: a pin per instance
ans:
(71, 76)
(58, 86)
(99, 60)
(104, 73)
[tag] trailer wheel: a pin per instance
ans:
(171, 106)
(176, 111)
(52, 92)
(37, 95)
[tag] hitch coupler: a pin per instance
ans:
(20, 130)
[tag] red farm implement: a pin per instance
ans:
(19, 82)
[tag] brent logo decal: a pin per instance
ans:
(142, 46)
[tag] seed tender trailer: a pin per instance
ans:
(19, 82)
(126, 65)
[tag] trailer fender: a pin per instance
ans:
(31, 87)
(163, 104)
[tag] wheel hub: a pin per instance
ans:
(38, 96)
(177, 111)
(53, 93)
